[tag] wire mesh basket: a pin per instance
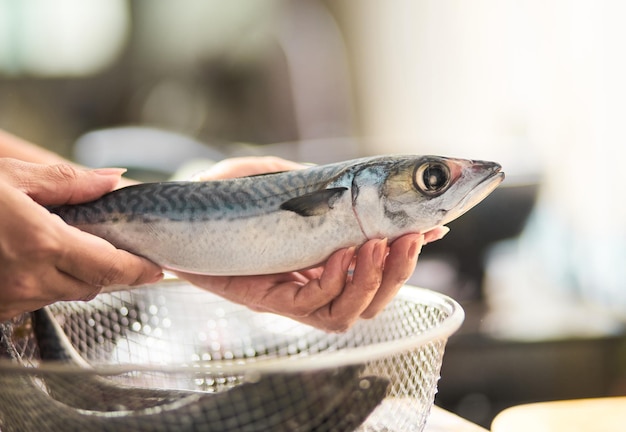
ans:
(170, 357)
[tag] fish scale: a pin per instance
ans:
(284, 221)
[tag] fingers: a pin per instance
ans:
(299, 299)
(61, 183)
(379, 273)
(25, 294)
(79, 275)
(97, 263)
(355, 293)
(399, 267)
(75, 270)
(436, 233)
(332, 297)
(43, 259)
(359, 290)
(295, 294)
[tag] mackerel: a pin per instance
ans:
(285, 221)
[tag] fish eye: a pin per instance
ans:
(432, 178)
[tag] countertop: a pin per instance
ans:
(441, 420)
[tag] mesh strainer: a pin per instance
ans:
(171, 357)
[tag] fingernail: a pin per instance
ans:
(347, 258)
(92, 295)
(442, 231)
(157, 278)
(380, 252)
(416, 248)
(445, 230)
(109, 171)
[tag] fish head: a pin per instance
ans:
(419, 193)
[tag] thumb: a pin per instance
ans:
(61, 183)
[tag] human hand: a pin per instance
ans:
(246, 166)
(350, 285)
(42, 259)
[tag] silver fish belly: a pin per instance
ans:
(284, 221)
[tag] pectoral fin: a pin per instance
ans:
(315, 203)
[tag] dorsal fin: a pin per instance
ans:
(264, 174)
(315, 203)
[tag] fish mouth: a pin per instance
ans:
(478, 193)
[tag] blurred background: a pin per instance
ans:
(538, 85)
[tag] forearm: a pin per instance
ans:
(14, 147)
(18, 148)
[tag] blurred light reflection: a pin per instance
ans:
(61, 38)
